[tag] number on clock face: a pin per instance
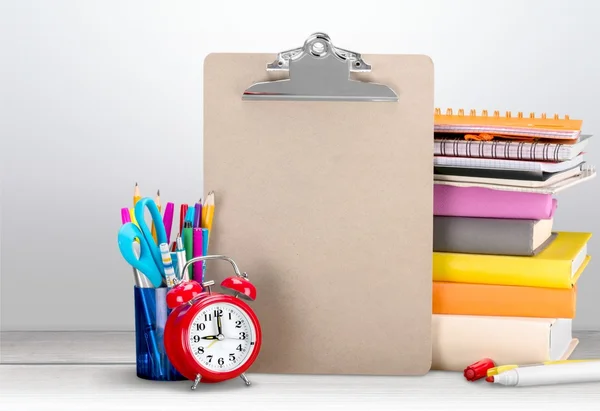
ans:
(225, 351)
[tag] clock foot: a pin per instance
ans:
(246, 380)
(196, 381)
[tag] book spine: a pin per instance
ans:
(462, 340)
(501, 270)
(513, 150)
(482, 202)
(500, 300)
(483, 235)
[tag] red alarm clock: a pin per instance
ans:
(212, 337)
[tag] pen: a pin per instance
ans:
(205, 238)
(181, 260)
(189, 217)
(584, 371)
(198, 252)
(188, 243)
(168, 220)
(182, 212)
(197, 214)
(167, 264)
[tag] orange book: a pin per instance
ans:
(503, 300)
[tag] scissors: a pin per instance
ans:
(150, 259)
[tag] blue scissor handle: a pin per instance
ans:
(161, 233)
(127, 235)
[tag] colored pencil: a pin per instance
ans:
(136, 194)
(209, 205)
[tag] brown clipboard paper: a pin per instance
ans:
(328, 207)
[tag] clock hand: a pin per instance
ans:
(211, 344)
(219, 325)
(210, 337)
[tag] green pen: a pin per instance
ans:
(188, 243)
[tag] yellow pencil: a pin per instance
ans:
(158, 206)
(209, 206)
(136, 195)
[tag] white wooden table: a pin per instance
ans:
(64, 371)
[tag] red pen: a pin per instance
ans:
(182, 213)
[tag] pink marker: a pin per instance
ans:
(125, 218)
(168, 220)
(198, 252)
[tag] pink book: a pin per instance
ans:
(485, 202)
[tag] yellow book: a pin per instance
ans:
(557, 266)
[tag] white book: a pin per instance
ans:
(549, 186)
(461, 340)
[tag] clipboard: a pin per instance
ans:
(322, 168)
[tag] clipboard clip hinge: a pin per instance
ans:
(317, 45)
(319, 71)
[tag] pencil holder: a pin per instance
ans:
(151, 315)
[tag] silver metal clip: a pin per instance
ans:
(319, 71)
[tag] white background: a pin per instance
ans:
(96, 95)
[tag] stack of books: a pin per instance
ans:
(504, 281)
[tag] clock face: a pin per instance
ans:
(222, 337)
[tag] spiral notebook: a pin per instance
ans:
(453, 145)
(503, 164)
(519, 126)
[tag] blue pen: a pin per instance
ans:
(205, 233)
(190, 215)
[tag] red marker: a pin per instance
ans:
(478, 370)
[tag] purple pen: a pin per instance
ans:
(197, 214)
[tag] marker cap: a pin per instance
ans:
(478, 370)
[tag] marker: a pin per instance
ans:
(168, 219)
(198, 251)
(576, 372)
(504, 368)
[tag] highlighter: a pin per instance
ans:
(504, 368)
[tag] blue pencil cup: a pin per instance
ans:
(151, 314)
